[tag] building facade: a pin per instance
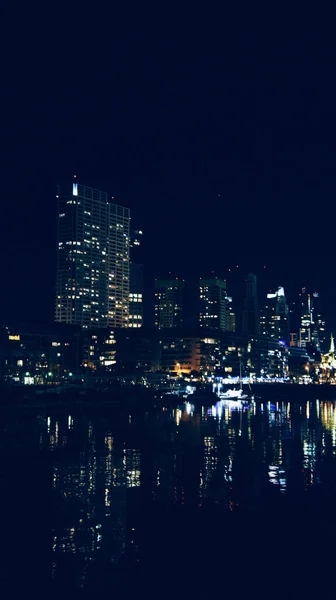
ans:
(305, 332)
(136, 296)
(274, 317)
(319, 335)
(168, 309)
(213, 304)
(92, 285)
(230, 315)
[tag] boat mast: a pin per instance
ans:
(240, 374)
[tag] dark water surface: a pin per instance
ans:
(240, 499)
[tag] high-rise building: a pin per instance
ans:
(305, 319)
(168, 303)
(136, 281)
(213, 304)
(136, 296)
(230, 315)
(92, 287)
(318, 323)
(250, 309)
(119, 265)
(274, 316)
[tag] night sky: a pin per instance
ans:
(218, 131)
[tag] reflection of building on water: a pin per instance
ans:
(90, 494)
(106, 474)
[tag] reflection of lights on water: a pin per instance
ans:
(189, 408)
(273, 474)
(307, 410)
(178, 416)
(70, 422)
(48, 424)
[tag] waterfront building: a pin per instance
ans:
(213, 304)
(92, 286)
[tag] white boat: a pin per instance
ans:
(233, 395)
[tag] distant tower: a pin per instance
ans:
(230, 315)
(250, 310)
(306, 319)
(318, 323)
(136, 296)
(274, 317)
(213, 307)
(168, 303)
(136, 281)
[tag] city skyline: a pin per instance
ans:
(167, 316)
(241, 172)
(100, 282)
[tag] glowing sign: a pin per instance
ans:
(15, 338)
(280, 292)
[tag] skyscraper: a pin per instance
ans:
(136, 296)
(318, 323)
(92, 286)
(274, 316)
(305, 318)
(168, 303)
(250, 310)
(230, 315)
(136, 281)
(213, 304)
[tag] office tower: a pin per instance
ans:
(119, 265)
(318, 323)
(213, 304)
(274, 316)
(250, 309)
(230, 315)
(136, 296)
(168, 303)
(136, 281)
(305, 319)
(92, 287)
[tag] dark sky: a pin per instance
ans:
(218, 130)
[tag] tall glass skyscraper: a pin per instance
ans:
(92, 286)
